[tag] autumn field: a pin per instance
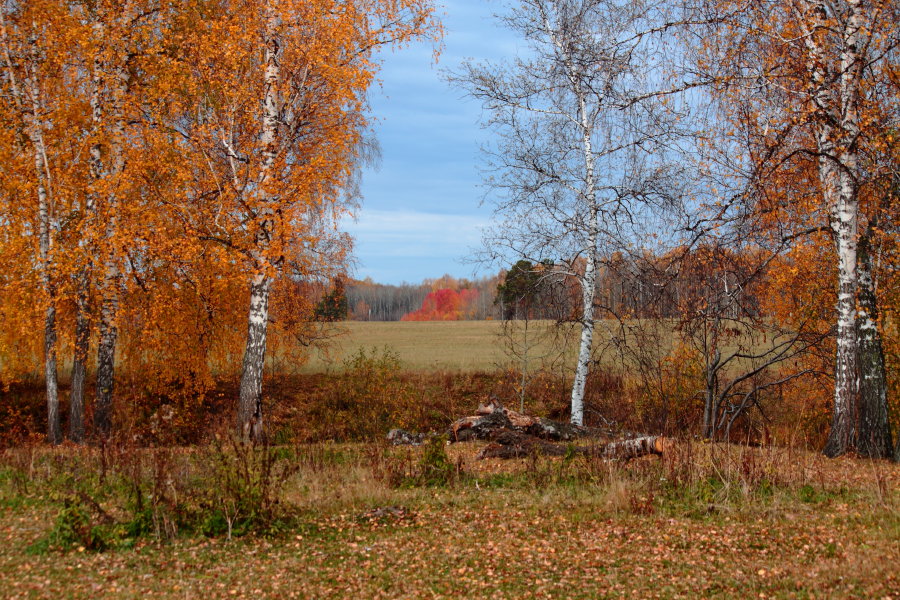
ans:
(419, 345)
(465, 345)
(369, 521)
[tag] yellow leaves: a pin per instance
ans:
(192, 207)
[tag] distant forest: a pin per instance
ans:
(627, 287)
(452, 299)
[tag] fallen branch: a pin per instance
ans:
(492, 419)
(513, 444)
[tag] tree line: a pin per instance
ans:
(173, 174)
(762, 129)
(170, 171)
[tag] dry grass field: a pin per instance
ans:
(355, 518)
(420, 345)
(362, 521)
(456, 345)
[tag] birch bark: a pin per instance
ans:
(588, 280)
(106, 352)
(28, 100)
(54, 431)
(874, 439)
(837, 136)
(250, 401)
(843, 110)
(83, 316)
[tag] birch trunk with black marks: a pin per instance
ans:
(83, 307)
(79, 363)
(29, 105)
(588, 290)
(250, 407)
(109, 303)
(844, 426)
(54, 431)
(106, 351)
(588, 279)
(250, 402)
(874, 436)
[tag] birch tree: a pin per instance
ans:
(119, 33)
(25, 33)
(271, 109)
(808, 79)
(581, 161)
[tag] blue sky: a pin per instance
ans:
(420, 214)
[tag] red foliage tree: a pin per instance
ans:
(445, 305)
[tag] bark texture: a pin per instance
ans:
(835, 94)
(106, 354)
(250, 418)
(109, 307)
(83, 306)
(250, 402)
(54, 431)
(79, 371)
(874, 437)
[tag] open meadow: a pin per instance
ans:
(468, 345)
(420, 345)
(661, 362)
(370, 521)
(180, 509)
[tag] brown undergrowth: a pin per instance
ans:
(374, 394)
(227, 519)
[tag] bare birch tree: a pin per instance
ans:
(580, 164)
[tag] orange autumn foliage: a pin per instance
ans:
(168, 195)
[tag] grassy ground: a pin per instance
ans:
(462, 345)
(482, 346)
(705, 521)
(420, 345)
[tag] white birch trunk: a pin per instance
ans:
(846, 379)
(28, 103)
(837, 138)
(589, 279)
(250, 401)
(250, 406)
(54, 431)
(109, 307)
(83, 316)
(844, 427)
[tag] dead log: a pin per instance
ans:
(401, 437)
(512, 444)
(492, 419)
